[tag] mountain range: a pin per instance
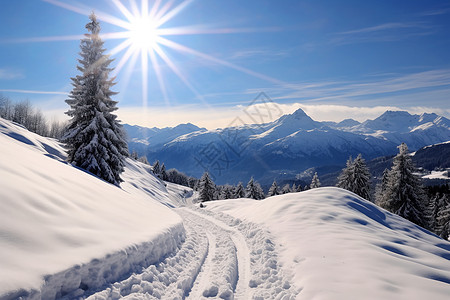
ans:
(284, 147)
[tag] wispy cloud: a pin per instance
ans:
(362, 91)
(8, 74)
(34, 92)
(383, 27)
(436, 12)
(386, 32)
(267, 54)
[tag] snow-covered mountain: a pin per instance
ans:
(139, 138)
(292, 144)
(66, 234)
(402, 122)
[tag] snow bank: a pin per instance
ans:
(340, 246)
(62, 229)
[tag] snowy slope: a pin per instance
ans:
(340, 246)
(62, 229)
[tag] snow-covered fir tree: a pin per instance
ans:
(226, 192)
(273, 190)
(156, 168)
(162, 172)
(294, 188)
(286, 189)
(355, 177)
(299, 188)
(431, 211)
(94, 137)
(381, 187)
(254, 190)
(143, 159)
(134, 155)
(345, 178)
(442, 217)
(239, 191)
(404, 194)
(206, 188)
(315, 182)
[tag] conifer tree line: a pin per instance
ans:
(30, 117)
(399, 191)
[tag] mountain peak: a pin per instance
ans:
(189, 126)
(394, 114)
(299, 114)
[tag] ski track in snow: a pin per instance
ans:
(264, 278)
(222, 258)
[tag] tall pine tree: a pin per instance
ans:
(156, 168)
(345, 179)
(239, 191)
(381, 187)
(273, 190)
(356, 177)
(403, 193)
(315, 182)
(94, 138)
(207, 188)
(254, 190)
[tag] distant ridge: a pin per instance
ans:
(288, 145)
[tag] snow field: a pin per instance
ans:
(340, 246)
(83, 279)
(172, 278)
(64, 231)
(216, 261)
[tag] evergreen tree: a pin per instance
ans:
(227, 192)
(156, 168)
(315, 182)
(163, 174)
(286, 189)
(254, 190)
(134, 155)
(345, 179)
(432, 211)
(273, 190)
(143, 159)
(356, 177)
(299, 188)
(94, 138)
(442, 216)
(404, 195)
(207, 188)
(239, 191)
(294, 188)
(381, 187)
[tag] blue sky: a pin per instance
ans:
(335, 59)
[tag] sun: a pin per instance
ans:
(143, 33)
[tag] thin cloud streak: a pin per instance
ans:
(33, 92)
(386, 26)
(334, 90)
(387, 32)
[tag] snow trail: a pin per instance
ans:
(264, 275)
(221, 258)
